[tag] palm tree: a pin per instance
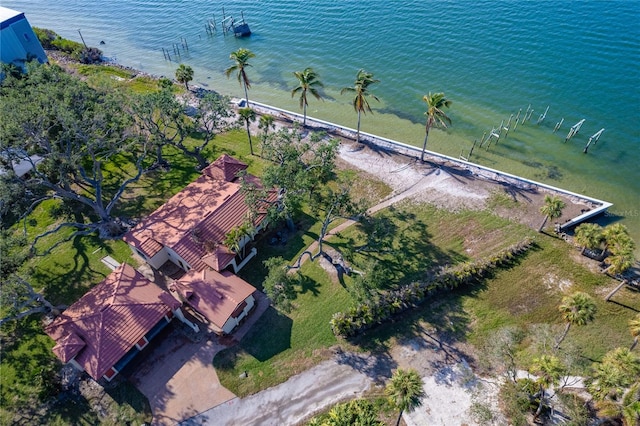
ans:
(356, 412)
(361, 90)
(551, 209)
(241, 58)
(307, 82)
(634, 329)
(614, 385)
(616, 236)
(631, 405)
(619, 262)
(236, 235)
(435, 115)
(184, 74)
(588, 236)
(579, 309)
(247, 116)
(549, 371)
(405, 390)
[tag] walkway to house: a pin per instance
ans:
(178, 377)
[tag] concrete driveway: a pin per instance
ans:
(293, 401)
(178, 377)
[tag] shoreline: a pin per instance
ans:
(596, 206)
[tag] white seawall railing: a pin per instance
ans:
(596, 206)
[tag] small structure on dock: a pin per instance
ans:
(239, 28)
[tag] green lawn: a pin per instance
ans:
(409, 242)
(283, 344)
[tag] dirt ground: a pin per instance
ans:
(455, 189)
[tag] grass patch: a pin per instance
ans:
(531, 293)
(409, 240)
(281, 345)
(500, 198)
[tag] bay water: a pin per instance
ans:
(581, 59)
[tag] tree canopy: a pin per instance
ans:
(184, 74)
(75, 130)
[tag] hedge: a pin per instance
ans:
(371, 312)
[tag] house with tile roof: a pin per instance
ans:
(191, 227)
(189, 230)
(112, 323)
(223, 298)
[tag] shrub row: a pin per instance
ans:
(371, 312)
(51, 40)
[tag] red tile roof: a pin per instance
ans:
(216, 295)
(225, 168)
(195, 221)
(106, 322)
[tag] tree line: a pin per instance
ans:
(309, 83)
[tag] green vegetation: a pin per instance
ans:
(360, 92)
(307, 82)
(435, 114)
(402, 244)
(78, 51)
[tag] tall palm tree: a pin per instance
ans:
(588, 236)
(551, 209)
(549, 370)
(616, 236)
(307, 82)
(247, 116)
(184, 74)
(405, 390)
(435, 115)
(361, 92)
(577, 308)
(241, 58)
(634, 329)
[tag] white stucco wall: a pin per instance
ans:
(233, 322)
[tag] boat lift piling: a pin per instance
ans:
(593, 138)
(507, 127)
(482, 139)
(528, 118)
(515, 125)
(558, 124)
(543, 116)
(574, 130)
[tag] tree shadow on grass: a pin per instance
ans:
(310, 285)
(440, 319)
(268, 337)
(396, 248)
(65, 282)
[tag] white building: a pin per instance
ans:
(18, 42)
